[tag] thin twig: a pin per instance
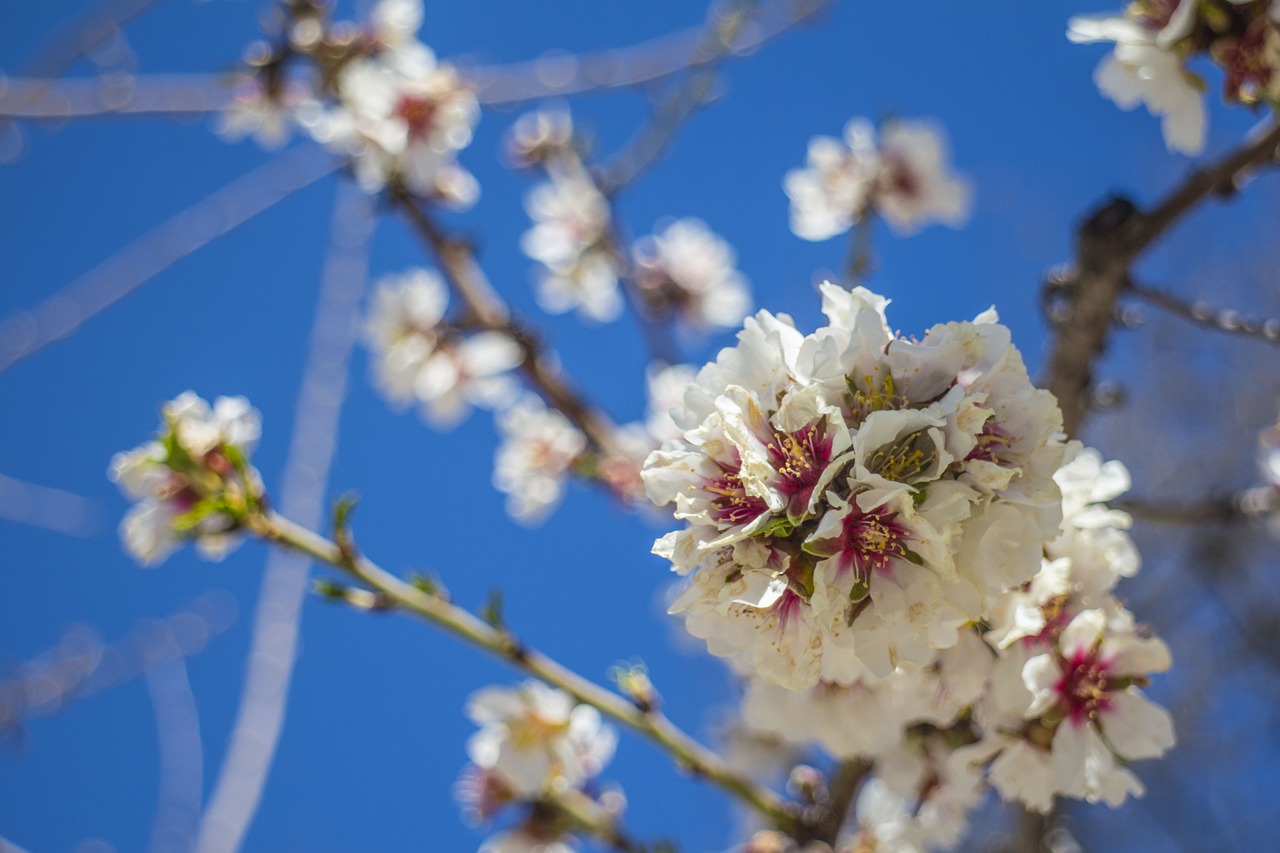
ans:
(845, 782)
(1107, 244)
(595, 820)
(58, 316)
(82, 35)
(1202, 314)
(716, 42)
(103, 97)
(486, 310)
(394, 592)
(181, 756)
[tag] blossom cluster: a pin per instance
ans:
(535, 746)
(1040, 699)
(903, 177)
(193, 481)
(374, 94)
(1157, 40)
(852, 498)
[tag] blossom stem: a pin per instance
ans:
(400, 595)
(487, 310)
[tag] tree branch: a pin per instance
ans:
(486, 310)
(1217, 319)
(1107, 244)
(394, 593)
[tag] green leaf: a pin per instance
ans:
(492, 610)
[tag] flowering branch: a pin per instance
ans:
(1107, 243)
(390, 592)
(1202, 314)
(487, 311)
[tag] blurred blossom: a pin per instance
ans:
(664, 388)
(570, 237)
(419, 357)
(905, 178)
(538, 447)
(689, 271)
(193, 482)
(539, 137)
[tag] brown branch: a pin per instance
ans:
(1224, 509)
(1202, 314)
(845, 782)
(1107, 244)
(486, 310)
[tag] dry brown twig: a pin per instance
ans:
(1107, 244)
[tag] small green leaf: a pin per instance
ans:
(492, 610)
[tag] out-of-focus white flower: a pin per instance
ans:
(687, 270)
(570, 238)
(905, 178)
(402, 115)
(395, 23)
(418, 357)
(265, 115)
(537, 739)
(540, 136)
(851, 497)
(194, 482)
(538, 447)
(664, 388)
(1142, 70)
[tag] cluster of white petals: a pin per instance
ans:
(1154, 39)
(1040, 699)
(419, 357)
(539, 446)
(852, 497)
(534, 743)
(689, 271)
(380, 98)
(903, 177)
(183, 480)
(570, 238)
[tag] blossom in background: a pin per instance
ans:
(570, 238)
(1154, 41)
(664, 389)
(851, 498)
(688, 271)
(537, 738)
(419, 357)
(267, 114)
(538, 448)
(1142, 70)
(904, 177)
(193, 482)
(540, 137)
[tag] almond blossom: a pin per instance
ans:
(420, 357)
(193, 482)
(904, 177)
(570, 238)
(852, 498)
(687, 270)
(538, 448)
(537, 738)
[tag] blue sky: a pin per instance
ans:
(375, 731)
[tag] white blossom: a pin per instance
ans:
(538, 447)
(690, 271)
(1142, 70)
(192, 480)
(418, 357)
(537, 738)
(852, 498)
(904, 177)
(570, 239)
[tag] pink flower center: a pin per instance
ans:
(418, 114)
(870, 539)
(993, 441)
(732, 504)
(800, 457)
(1085, 686)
